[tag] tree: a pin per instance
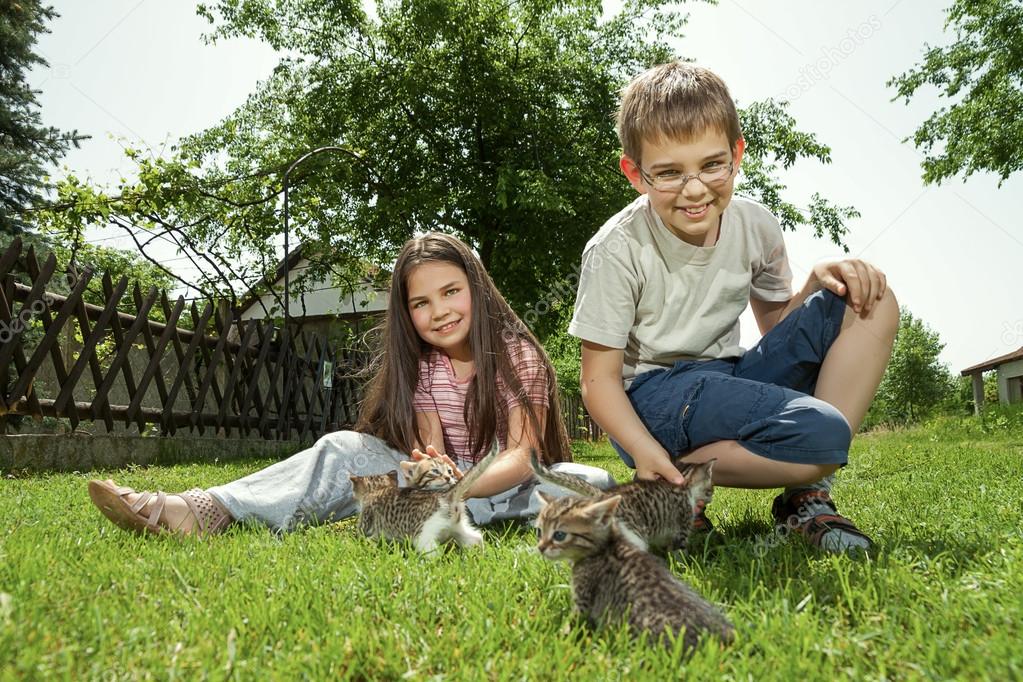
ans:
(981, 73)
(26, 145)
(916, 381)
(486, 118)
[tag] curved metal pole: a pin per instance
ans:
(287, 220)
(287, 252)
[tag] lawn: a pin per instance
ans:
(941, 598)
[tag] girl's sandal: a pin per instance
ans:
(111, 499)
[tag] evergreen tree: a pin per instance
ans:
(26, 145)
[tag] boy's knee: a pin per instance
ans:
(886, 313)
(883, 319)
(813, 425)
(834, 432)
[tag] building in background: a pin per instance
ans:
(1010, 378)
(319, 305)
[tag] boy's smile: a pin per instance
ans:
(692, 213)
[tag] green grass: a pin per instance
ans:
(943, 598)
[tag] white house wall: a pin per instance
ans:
(322, 299)
(1009, 370)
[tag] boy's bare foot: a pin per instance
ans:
(193, 511)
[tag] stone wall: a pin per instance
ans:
(35, 452)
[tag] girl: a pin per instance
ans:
(458, 369)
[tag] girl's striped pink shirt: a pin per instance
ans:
(440, 391)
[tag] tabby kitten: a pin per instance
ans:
(428, 474)
(429, 517)
(613, 580)
(651, 514)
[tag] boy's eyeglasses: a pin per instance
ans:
(673, 181)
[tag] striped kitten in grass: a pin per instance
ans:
(655, 515)
(428, 517)
(428, 474)
(613, 580)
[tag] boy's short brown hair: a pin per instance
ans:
(676, 101)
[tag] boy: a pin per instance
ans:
(661, 289)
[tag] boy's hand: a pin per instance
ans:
(432, 453)
(863, 283)
(654, 468)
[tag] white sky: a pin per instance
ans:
(131, 71)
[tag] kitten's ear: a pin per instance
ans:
(393, 474)
(700, 482)
(545, 498)
(700, 473)
(605, 509)
(407, 469)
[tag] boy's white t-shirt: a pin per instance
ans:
(644, 290)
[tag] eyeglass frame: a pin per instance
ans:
(686, 177)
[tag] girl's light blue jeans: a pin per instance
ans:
(312, 486)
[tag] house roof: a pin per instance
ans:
(995, 362)
(253, 295)
(293, 259)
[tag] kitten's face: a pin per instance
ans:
(701, 485)
(572, 527)
(365, 485)
(428, 474)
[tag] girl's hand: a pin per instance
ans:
(863, 283)
(432, 453)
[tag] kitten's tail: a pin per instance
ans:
(459, 489)
(576, 485)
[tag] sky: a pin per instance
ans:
(137, 73)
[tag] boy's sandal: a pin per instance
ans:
(813, 528)
(111, 499)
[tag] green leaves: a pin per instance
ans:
(981, 74)
(916, 382)
(487, 119)
(772, 140)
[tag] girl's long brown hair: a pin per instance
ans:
(387, 410)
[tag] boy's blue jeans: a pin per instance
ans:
(763, 399)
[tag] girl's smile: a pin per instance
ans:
(447, 328)
(440, 305)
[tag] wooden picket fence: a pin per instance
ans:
(577, 420)
(254, 381)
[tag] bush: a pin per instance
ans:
(915, 384)
(564, 350)
(994, 420)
